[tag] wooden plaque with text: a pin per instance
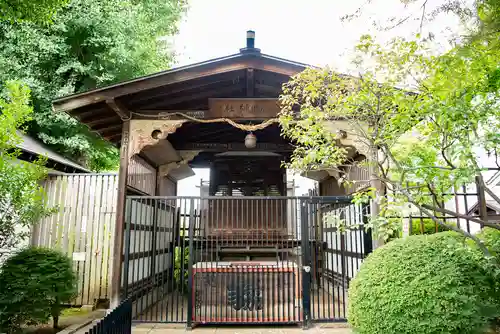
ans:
(243, 108)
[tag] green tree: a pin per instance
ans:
(39, 11)
(21, 197)
(422, 117)
(90, 43)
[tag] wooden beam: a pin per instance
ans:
(229, 89)
(107, 128)
(118, 108)
(91, 113)
(116, 255)
(112, 136)
(230, 64)
(218, 108)
(166, 91)
(250, 83)
(267, 88)
(103, 120)
(226, 147)
(168, 114)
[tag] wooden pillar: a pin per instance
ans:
(136, 135)
(481, 200)
(116, 255)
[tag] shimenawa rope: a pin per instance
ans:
(243, 127)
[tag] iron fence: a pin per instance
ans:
(215, 260)
(119, 321)
(464, 207)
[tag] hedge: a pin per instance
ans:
(423, 284)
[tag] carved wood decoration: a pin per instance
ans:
(348, 135)
(186, 157)
(149, 132)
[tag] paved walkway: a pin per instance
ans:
(163, 329)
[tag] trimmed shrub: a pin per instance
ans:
(423, 284)
(34, 283)
(491, 238)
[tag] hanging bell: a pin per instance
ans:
(250, 140)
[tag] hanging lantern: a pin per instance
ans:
(250, 140)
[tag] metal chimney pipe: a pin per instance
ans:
(250, 39)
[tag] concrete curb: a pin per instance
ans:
(85, 324)
(74, 328)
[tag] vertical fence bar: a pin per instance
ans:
(118, 321)
(128, 223)
(189, 322)
(306, 265)
(152, 265)
(367, 235)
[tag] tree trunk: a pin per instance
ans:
(55, 321)
(376, 184)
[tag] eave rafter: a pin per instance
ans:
(197, 71)
(118, 108)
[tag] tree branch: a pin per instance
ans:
(492, 194)
(478, 241)
(460, 215)
(423, 15)
(424, 208)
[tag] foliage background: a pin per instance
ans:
(87, 44)
(21, 196)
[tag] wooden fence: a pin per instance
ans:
(82, 227)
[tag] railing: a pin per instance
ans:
(119, 321)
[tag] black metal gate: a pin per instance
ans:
(337, 244)
(200, 260)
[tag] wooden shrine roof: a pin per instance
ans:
(248, 74)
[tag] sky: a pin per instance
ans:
(305, 31)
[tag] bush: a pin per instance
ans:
(34, 284)
(491, 238)
(423, 284)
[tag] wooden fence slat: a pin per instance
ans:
(80, 220)
(66, 213)
(72, 214)
(96, 244)
(111, 217)
(52, 227)
(109, 220)
(87, 235)
(101, 240)
(47, 221)
(60, 221)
